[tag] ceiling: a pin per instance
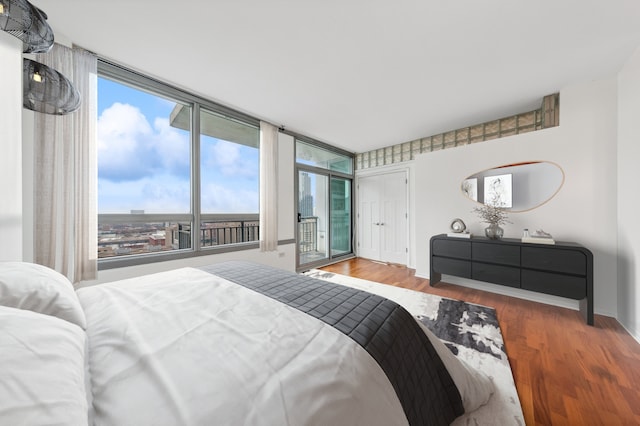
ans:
(360, 74)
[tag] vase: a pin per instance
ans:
(493, 232)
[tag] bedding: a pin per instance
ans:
(238, 343)
(39, 289)
(428, 379)
(42, 361)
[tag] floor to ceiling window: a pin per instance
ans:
(177, 174)
(324, 198)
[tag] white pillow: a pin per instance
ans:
(40, 289)
(474, 386)
(42, 376)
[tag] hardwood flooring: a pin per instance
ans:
(566, 372)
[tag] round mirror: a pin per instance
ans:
(515, 187)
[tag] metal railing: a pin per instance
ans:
(133, 234)
(218, 233)
(308, 234)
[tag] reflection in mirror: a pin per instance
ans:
(516, 187)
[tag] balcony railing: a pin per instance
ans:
(308, 234)
(221, 232)
(134, 234)
(137, 234)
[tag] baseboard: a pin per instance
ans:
(633, 333)
(512, 292)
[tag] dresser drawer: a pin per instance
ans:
(503, 254)
(449, 248)
(556, 260)
(459, 268)
(497, 274)
(556, 284)
(563, 269)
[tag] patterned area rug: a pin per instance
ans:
(470, 331)
(459, 323)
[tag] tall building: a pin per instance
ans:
(305, 204)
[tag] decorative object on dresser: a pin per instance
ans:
(494, 214)
(458, 229)
(563, 269)
(457, 225)
(538, 237)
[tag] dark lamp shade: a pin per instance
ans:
(46, 90)
(28, 23)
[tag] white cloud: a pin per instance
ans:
(220, 199)
(130, 148)
(144, 165)
(229, 159)
(159, 194)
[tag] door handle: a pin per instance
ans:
(377, 224)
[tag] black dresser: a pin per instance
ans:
(562, 269)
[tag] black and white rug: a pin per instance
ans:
(470, 331)
(459, 323)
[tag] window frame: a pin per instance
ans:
(122, 75)
(330, 174)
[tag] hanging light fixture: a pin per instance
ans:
(28, 23)
(46, 90)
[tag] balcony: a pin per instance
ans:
(139, 233)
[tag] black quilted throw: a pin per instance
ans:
(383, 328)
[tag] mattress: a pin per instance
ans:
(232, 343)
(380, 326)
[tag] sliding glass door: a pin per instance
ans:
(324, 190)
(340, 216)
(312, 217)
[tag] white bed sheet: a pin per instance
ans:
(42, 364)
(188, 348)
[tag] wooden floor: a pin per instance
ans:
(566, 372)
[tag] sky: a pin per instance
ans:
(143, 162)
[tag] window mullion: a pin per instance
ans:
(195, 176)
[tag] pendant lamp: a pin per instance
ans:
(43, 88)
(46, 90)
(28, 23)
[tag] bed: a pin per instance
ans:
(233, 343)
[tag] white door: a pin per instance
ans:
(382, 217)
(368, 219)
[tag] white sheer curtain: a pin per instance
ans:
(65, 176)
(268, 187)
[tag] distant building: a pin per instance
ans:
(305, 205)
(157, 240)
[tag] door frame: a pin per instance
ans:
(378, 171)
(330, 258)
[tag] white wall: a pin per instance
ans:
(11, 147)
(584, 210)
(286, 195)
(628, 195)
